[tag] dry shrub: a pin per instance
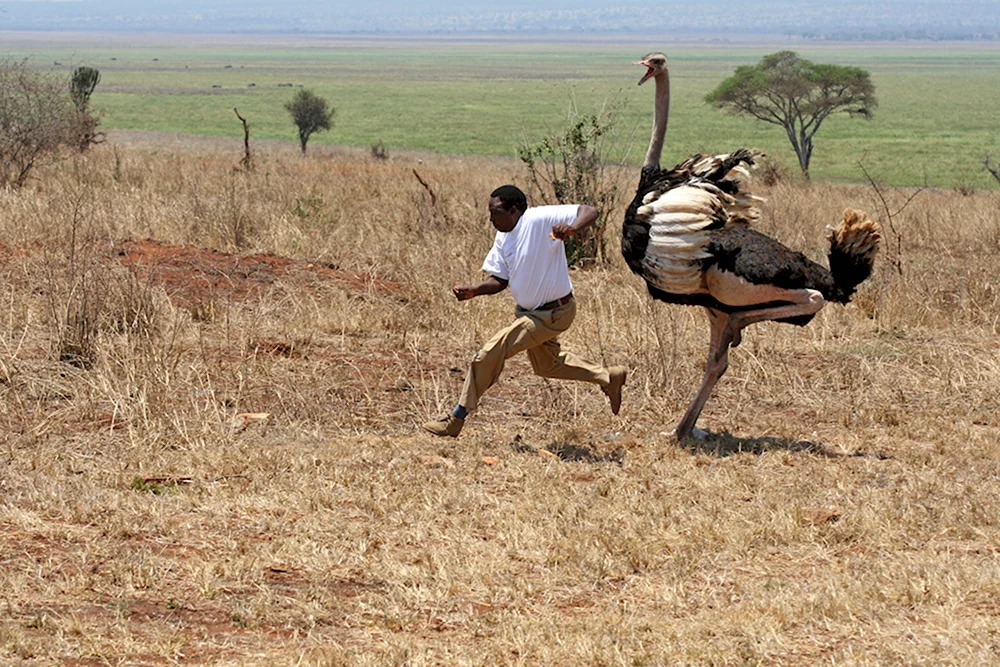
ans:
(771, 171)
(379, 151)
(101, 298)
(38, 121)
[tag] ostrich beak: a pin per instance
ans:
(649, 71)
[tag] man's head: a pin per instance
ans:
(507, 203)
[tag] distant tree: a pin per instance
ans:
(81, 86)
(310, 114)
(796, 94)
(37, 120)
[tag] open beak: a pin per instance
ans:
(649, 71)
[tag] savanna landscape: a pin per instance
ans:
(212, 377)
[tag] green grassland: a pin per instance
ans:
(936, 122)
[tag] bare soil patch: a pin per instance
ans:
(191, 275)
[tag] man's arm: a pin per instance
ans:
(491, 285)
(585, 217)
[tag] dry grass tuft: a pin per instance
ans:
(210, 382)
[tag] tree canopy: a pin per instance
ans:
(310, 114)
(786, 90)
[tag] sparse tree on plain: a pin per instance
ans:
(310, 114)
(786, 90)
(37, 120)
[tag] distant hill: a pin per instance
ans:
(847, 19)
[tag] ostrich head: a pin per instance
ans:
(655, 64)
(656, 68)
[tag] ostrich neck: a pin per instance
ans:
(661, 109)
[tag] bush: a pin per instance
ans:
(379, 151)
(770, 172)
(37, 121)
(573, 168)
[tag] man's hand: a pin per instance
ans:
(463, 292)
(585, 217)
(561, 231)
(491, 285)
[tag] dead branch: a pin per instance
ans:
(247, 161)
(426, 187)
(890, 215)
(992, 168)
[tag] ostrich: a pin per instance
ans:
(687, 235)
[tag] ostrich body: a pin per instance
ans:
(687, 234)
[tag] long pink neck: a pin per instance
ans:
(661, 110)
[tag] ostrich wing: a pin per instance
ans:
(669, 224)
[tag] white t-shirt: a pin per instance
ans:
(531, 261)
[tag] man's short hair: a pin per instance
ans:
(511, 197)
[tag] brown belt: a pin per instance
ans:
(552, 305)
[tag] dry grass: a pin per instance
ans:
(845, 512)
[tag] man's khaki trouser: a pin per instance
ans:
(534, 332)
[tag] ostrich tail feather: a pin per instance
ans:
(853, 246)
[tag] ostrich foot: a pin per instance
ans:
(694, 433)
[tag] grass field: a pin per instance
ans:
(211, 383)
(212, 380)
(936, 121)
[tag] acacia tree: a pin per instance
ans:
(37, 119)
(796, 94)
(310, 114)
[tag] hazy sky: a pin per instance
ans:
(485, 15)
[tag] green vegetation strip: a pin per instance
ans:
(935, 124)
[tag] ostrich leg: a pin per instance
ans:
(716, 364)
(806, 302)
(726, 332)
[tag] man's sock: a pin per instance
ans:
(460, 412)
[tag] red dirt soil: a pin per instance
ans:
(191, 274)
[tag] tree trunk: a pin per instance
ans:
(803, 160)
(806, 157)
(802, 149)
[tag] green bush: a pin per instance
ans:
(572, 167)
